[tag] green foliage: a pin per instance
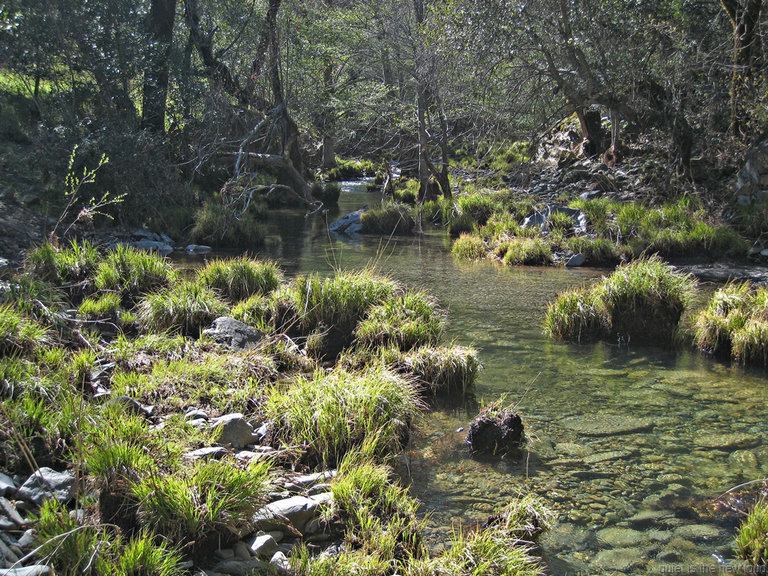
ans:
(507, 156)
(132, 273)
(480, 207)
(406, 322)
(596, 251)
(390, 218)
(186, 306)
(238, 278)
(19, 334)
(35, 298)
(752, 539)
(220, 226)
(575, 315)
(63, 265)
(460, 225)
(202, 503)
(438, 211)
(142, 556)
(70, 547)
(406, 191)
(335, 413)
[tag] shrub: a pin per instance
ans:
(238, 278)
(469, 247)
(186, 306)
(408, 321)
(220, 226)
(752, 539)
(332, 414)
(19, 334)
(131, 273)
(211, 502)
(388, 219)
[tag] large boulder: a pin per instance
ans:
(496, 431)
(233, 334)
(348, 225)
(752, 179)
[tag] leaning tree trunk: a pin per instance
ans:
(591, 130)
(162, 14)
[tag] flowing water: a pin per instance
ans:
(630, 445)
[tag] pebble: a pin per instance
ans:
(698, 532)
(7, 487)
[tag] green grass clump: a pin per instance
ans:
(332, 414)
(211, 502)
(596, 251)
(132, 273)
(143, 554)
(256, 311)
(334, 305)
(70, 265)
(19, 334)
(445, 370)
(406, 191)
(507, 156)
(350, 169)
(69, 546)
(104, 307)
(525, 252)
(238, 278)
(735, 323)
(645, 299)
(391, 218)
(438, 211)
(641, 301)
(752, 539)
(408, 321)
(220, 226)
(461, 224)
(469, 247)
(186, 306)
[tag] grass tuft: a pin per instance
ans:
(239, 278)
(391, 218)
(132, 273)
(407, 321)
(186, 307)
(752, 538)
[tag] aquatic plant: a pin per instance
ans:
(443, 370)
(186, 306)
(350, 169)
(576, 315)
(132, 273)
(238, 278)
(407, 321)
(332, 414)
(752, 538)
(390, 218)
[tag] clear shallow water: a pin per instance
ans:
(630, 445)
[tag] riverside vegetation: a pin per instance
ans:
(107, 373)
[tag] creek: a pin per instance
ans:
(629, 444)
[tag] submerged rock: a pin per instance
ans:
(607, 424)
(348, 225)
(496, 431)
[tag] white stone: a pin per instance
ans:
(263, 545)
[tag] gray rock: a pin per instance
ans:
(233, 334)
(207, 453)
(607, 424)
(234, 430)
(648, 517)
(577, 259)
(197, 249)
(28, 539)
(7, 554)
(621, 559)
(7, 487)
(263, 545)
(280, 561)
(195, 414)
(348, 225)
(241, 550)
(224, 554)
(606, 456)
(152, 246)
(296, 510)
(241, 567)
(35, 570)
(46, 482)
(7, 508)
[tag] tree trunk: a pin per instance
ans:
(591, 131)
(328, 120)
(162, 14)
(745, 19)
